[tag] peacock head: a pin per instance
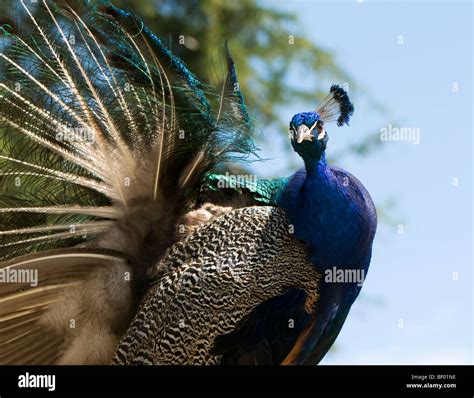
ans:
(307, 132)
(308, 136)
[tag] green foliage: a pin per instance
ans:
(258, 36)
(266, 44)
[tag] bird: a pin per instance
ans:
(321, 219)
(110, 157)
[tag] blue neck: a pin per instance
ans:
(324, 215)
(315, 167)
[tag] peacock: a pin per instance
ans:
(119, 244)
(321, 222)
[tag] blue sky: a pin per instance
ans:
(417, 302)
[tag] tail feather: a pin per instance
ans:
(148, 133)
(105, 140)
(47, 306)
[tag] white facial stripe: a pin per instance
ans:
(303, 133)
(313, 126)
(321, 135)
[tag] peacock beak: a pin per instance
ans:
(303, 133)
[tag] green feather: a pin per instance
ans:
(265, 191)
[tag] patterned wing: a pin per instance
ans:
(211, 281)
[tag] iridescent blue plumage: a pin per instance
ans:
(308, 118)
(334, 215)
(331, 211)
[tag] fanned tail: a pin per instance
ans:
(105, 139)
